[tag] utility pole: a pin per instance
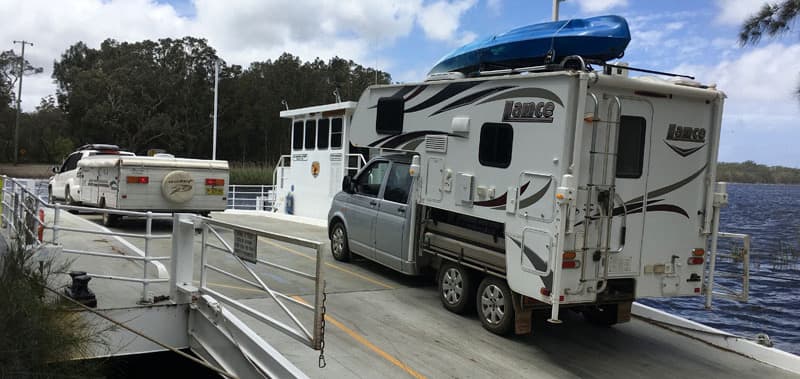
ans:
(19, 98)
(216, 87)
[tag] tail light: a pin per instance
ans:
(569, 260)
(138, 180)
(215, 182)
(696, 260)
(698, 252)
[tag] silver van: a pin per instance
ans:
(369, 217)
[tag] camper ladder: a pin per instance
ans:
(601, 190)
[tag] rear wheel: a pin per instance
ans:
(50, 198)
(495, 308)
(455, 287)
(339, 246)
(68, 196)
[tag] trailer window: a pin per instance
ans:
(297, 136)
(389, 119)
(336, 133)
(322, 133)
(397, 184)
(495, 145)
(311, 133)
(630, 157)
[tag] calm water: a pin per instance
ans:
(770, 214)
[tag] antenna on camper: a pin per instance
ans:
(336, 95)
(555, 9)
(285, 104)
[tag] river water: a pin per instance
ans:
(771, 215)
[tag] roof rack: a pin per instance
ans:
(98, 146)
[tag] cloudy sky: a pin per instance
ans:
(406, 37)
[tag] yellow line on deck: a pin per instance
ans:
(360, 276)
(370, 345)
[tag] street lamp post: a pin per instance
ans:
(216, 88)
(19, 98)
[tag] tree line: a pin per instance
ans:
(752, 172)
(159, 95)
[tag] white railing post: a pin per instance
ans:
(148, 234)
(319, 302)
(203, 244)
(182, 262)
(56, 218)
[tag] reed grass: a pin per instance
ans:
(250, 173)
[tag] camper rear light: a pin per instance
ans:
(698, 252)
(215, 182)
(569, 255)
(696, 260)
(570, 264)
(138, 179)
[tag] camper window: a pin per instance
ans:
(336, 133)
(369, 182)
(630, 157)
(495, 146)
(311, 133)
(389, 119)
(322, 133)
(397, 184)
(297, 136)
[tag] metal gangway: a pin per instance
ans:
(194, 316)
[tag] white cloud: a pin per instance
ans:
(494, 6)
(440, 20)
(594, 6)
(242, 31)
(733, 12)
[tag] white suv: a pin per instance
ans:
(65, 184)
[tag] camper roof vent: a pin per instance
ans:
(436, 143)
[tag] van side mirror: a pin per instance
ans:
(54, 169)
(347, 184)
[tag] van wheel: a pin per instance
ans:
(109, 219)
(494, 305)
(455, 287)
(68, 196)
(50, 198)
(339, 246)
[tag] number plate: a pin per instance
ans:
(213, 191)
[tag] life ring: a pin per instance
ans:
(178, 186)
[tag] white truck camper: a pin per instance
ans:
(158, 184)
(537, 188)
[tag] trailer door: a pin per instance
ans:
(632, 171)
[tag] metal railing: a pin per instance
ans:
(251, 197)
(736, 255)
(25, 213)
(216, 236)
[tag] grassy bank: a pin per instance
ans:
(27, 170)
(38, 333)
(250, 173)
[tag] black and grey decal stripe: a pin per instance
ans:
(527, 202)
(395, 141)
(471, 98)
(525, 92)
(672, 187)
(684, 152)
(536, 261)
(405, 90)
(447, 92)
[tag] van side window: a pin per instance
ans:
(336, 133)
(311, 133)
(322, 133)
(630, 144)
(369, 182)
(495, 146)
(389, 118)
(397, 184)
(297, 135)
(72, 162)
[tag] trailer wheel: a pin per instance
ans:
(339, 246)
(495, 308)
(455, 286)
(68, 199)
(109, 219)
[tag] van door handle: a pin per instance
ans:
(373, 203)
(401, 210)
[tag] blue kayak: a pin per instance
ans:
(600, 38)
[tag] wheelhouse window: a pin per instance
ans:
(630, 145)
(311, 133)
(297, 135)
(336, 133)
(322, 133)
(495, 145)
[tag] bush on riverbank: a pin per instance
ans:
(39, 334)
(250, 173)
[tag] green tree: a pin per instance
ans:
(772, 19)
(9, 74)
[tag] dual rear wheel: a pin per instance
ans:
(492, 297)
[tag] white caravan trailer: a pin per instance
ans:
(567, 187)
(157, 184)
(307, 179)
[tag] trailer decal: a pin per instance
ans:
(404, 91)
(395, 141)
(526, 92)
(667, 189)
(449, 91)
(684, 152)
(527, 202)
(469, 99)
(536, 261)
